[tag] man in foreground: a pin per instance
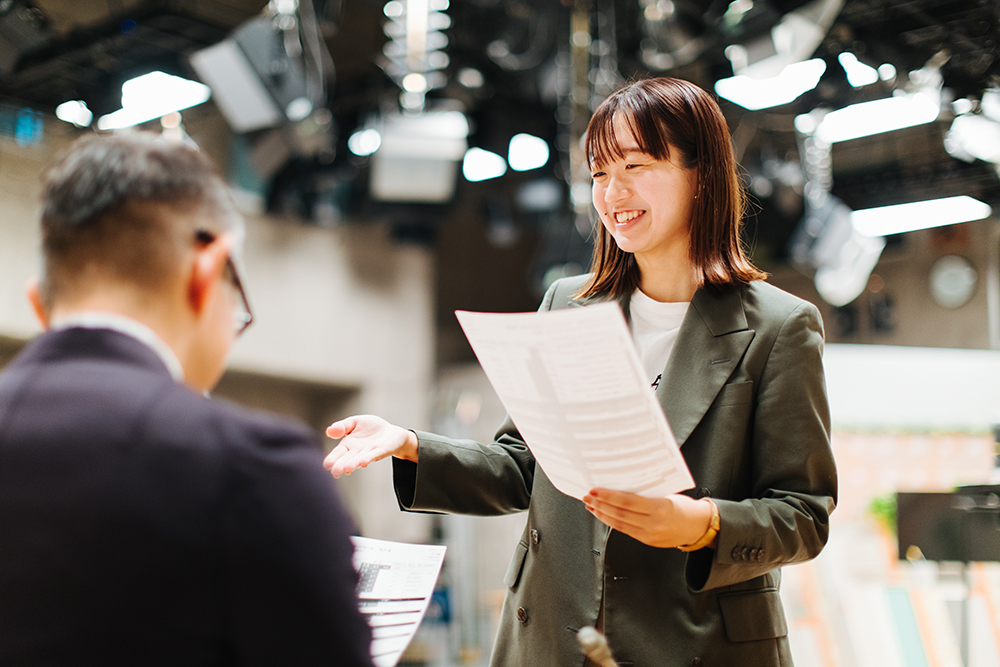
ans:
(142, 523)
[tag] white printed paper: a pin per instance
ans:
(394, 589)
(573, 385)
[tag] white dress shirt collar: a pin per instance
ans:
(127, 326)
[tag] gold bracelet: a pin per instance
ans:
(710, 533)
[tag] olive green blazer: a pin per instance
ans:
(745, 396)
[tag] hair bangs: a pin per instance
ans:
(603, 144)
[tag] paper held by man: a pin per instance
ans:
(395, 584)
(573, 385)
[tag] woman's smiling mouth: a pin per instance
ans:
(623, 217)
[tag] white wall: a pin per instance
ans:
(889, 388)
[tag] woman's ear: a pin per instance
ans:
(207, 267)
(34, 293)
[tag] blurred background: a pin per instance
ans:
(399, 160)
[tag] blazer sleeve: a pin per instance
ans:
(785, 519)
(287, 554)
(467, 477)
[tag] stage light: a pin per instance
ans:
(974, 136)
(364, 142)
(878, 116)
(418, 157)
(151, 96)
(858, 73)
(527, 152)
(826, 245)
(470, 77)
(901, 218)
(886, 71)
(414, 82)
(754, 94)
(76, 112)
(482, 165)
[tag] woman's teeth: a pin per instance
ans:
(625, 216)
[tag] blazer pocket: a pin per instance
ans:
(516, 565)
(735, 394)
(753, 616)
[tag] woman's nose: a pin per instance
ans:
(615, 190)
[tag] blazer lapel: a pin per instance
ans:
(711, 342)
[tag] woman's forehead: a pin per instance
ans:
(617, 139)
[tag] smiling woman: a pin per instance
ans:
(736, 365)
(672, 127)
(645, 205)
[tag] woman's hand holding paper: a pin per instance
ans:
(673, 521)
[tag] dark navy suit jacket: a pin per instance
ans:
(144, 524)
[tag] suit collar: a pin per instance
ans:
(127, 326)
(710, 345)
(721, 309)
(99, 345)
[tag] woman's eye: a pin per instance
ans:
(596, 175)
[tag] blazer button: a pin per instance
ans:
(522, 614)
(705, 492)
(736, 553)
(696, 662)
(760, 555)
(753, 554)
(745, 554)
(534, 536)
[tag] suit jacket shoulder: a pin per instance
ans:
(770, 302)
(146, 524)
(560, 293)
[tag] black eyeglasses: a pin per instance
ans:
(243, 316)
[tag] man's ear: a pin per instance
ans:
(206, 270)
(34, 293)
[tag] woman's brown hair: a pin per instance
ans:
(667, 114)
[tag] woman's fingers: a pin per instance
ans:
(339, 429)
(616, 521)
(622, 500)
(364, 439)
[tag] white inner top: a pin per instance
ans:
(654, 330)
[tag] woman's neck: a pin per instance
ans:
(668, 279)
